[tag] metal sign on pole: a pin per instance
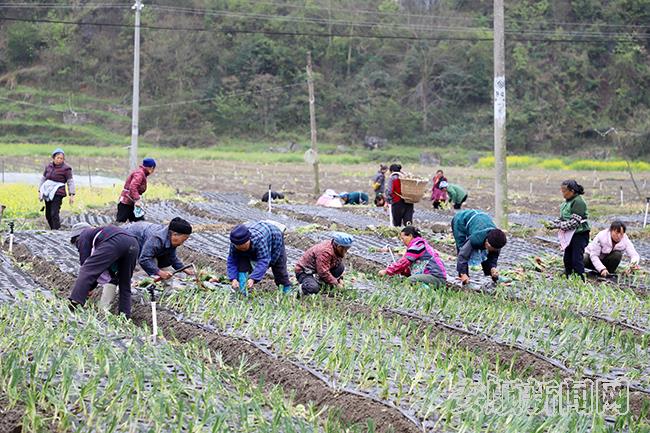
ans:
(133, 150)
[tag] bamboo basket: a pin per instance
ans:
(413, 189)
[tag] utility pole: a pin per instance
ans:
(312, 124)
(500, 167)
(133, 150)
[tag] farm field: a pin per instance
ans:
(535, 353)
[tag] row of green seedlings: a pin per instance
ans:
(577, 342)
(85, 372)
(614, 304)
(605, 302)
(422, 371)
(608, 302)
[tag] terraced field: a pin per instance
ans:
(535, 353)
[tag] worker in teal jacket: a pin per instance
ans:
(478, 240)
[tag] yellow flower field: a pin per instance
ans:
(21, 200)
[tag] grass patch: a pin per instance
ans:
(22, 199)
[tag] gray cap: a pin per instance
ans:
(78, 228)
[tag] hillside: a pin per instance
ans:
(413, 72)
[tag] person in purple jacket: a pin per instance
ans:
(51, 189)
(103, 251)
(420, 263)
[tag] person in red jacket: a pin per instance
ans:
(401, 212)
(134, 187)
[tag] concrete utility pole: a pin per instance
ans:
(500, 167)
(133, 150)
(312, 124)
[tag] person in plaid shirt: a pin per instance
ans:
(254, 247)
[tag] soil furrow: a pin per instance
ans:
(305, 388)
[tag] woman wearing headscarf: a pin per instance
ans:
(51, 189)
(573, 227)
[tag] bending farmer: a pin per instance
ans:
(478, 240)
(421, 263)
(104, 250)
(605, 252)
(158, 257)
(254, 247)
(322, 264)
(355, 197)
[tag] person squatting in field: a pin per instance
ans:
(104, 253)
(254, 247)
(573, 227)
(420, 263)
(158, 257)
(322, 264)
(51, 189)
(478, 240)
(605, 252)
(129, 206)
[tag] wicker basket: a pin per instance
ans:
(413, 189)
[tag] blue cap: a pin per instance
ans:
(57, 150)
(240, 234)
(149, 163)
(343, 239)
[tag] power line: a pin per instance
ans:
(408, 16)
(518, 36)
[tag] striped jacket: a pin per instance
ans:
(420, 258)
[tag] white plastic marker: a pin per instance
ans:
(11, 237)
(270, 198)
(647, 206)
(392, 256)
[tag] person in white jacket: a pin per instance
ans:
(605, 252)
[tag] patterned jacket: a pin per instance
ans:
(420, 258)
(320, 260)
(267, 247)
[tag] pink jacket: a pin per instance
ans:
(602, 245)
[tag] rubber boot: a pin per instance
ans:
(108, 295)
(286, 289)
(243, 279)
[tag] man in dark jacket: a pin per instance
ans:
(158, 257)
(322, 265)
(134, 186)
(478, 240)
(103, 250)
